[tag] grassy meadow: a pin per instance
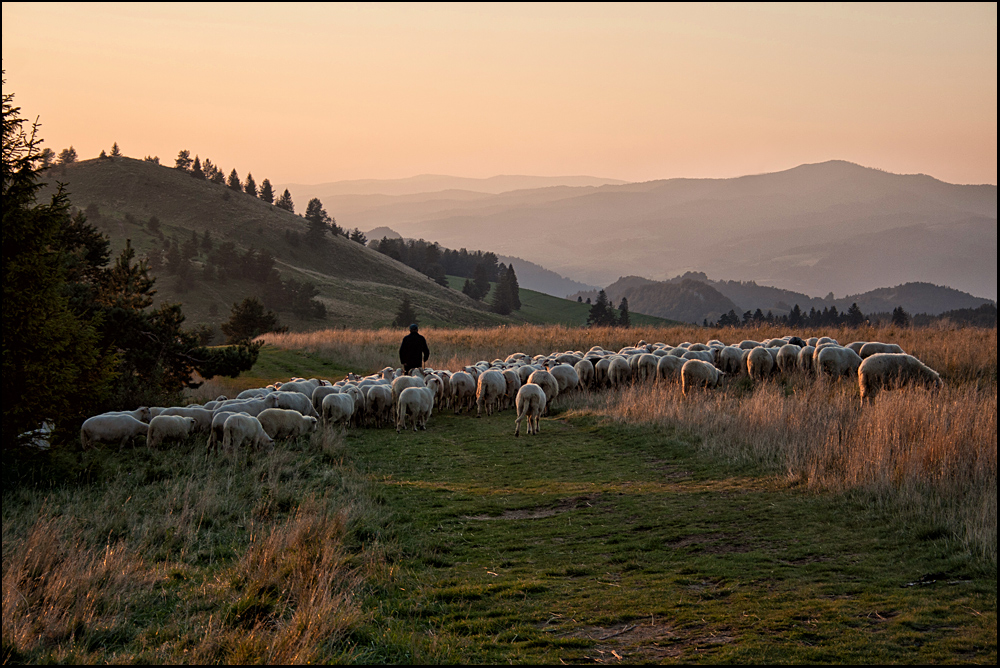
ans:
(776, 523)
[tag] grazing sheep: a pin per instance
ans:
(646, 368)
(530, 405)
(669, 368)
(747, 344)
(837, 361)
(490, 391)
(619, 372)
(548, 383)
(463, 391)
(698, 373)
(249, 406)
(585, 371)
(320, 392)
(218, 425)
(111, 428)
(788, 358)
(282, 423)
(295, 401)
(141, 413)
(306, 387)
(886, 371)
(170, 428)
(242, 429)
(806, 359)
(403, 382)
(874, 348)
(202, 416)
(760, 364)
(730, 360)
(856, 346)
(378, 404)
(513, 385)
(566, 377)
(254, 393)
(338, 408)
(415, 401)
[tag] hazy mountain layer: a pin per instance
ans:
(814, 229)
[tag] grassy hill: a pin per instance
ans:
(358, 286)
(538, 308)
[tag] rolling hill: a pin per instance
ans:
(358, 286)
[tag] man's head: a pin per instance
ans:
(413, 327)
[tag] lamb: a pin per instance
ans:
(490, 391)
(111, 428)
(169, 428)
(837, 361)
(548, 383)
(697, 373)
(874, 348)
(759, 363)
(415, 401)
(241, 429)
(886, 371)
(282, 423)
(530, 404)
(337, 408)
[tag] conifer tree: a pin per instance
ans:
(234, 181)
(267, 192)
(601, 312)
(405, 315)
(623, 317)
(317, 217)
(196, 170)
(250, 187)
(285, 202)
(115, 151)
(67, 156)
(183, 161)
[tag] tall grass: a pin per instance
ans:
(931, 455)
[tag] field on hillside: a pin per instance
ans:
(772, 523)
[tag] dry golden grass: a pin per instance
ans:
(929, 453)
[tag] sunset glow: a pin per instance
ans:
(315, 93)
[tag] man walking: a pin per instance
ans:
(413, 352)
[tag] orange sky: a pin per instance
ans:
(315, 93)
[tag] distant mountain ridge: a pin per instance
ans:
(651, 297)
(431, 183)
(832, 226)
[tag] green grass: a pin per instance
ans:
(542, 549)
(538, 308)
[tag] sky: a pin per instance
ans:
(313, 93)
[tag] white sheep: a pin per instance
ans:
(218, 425)
(283, 423)
(646, 367)
(874, 348)
(141, 413)
(669, 368)
(619, 372)
(338, 408)
(111, 428)
(202, 416)
(760, 363)
(806, 359)
(548, 383)
(249, 406)
(242, 429)
(893, 370)
(513, 386)
(698, 373)
(170, 428)
(566, 377)
(530, 405)
(490, 391)
(415, 401)
(585, 371)
(730, 360)
(295, 401)
(837, 361)
(788, 358)
(320, 392)
(463, 391)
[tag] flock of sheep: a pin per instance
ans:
(258, 417)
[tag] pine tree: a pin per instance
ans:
(601, 313)
(208, 168)
(250, 187)
(623, 317)
(501, 302)
(481, 282)
(46, 158)
(247, 321)
(67, 156)
(183, 161)
(267, 192)
(196, 170)
(359, 236)
(405, 315)
(514, 288)
(855, 318)
(115, 151)
(318, 219)
(285, 202)
(234, 181)
(900, 317)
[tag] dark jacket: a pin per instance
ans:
(413, 352)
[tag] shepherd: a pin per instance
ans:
(413, 352)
